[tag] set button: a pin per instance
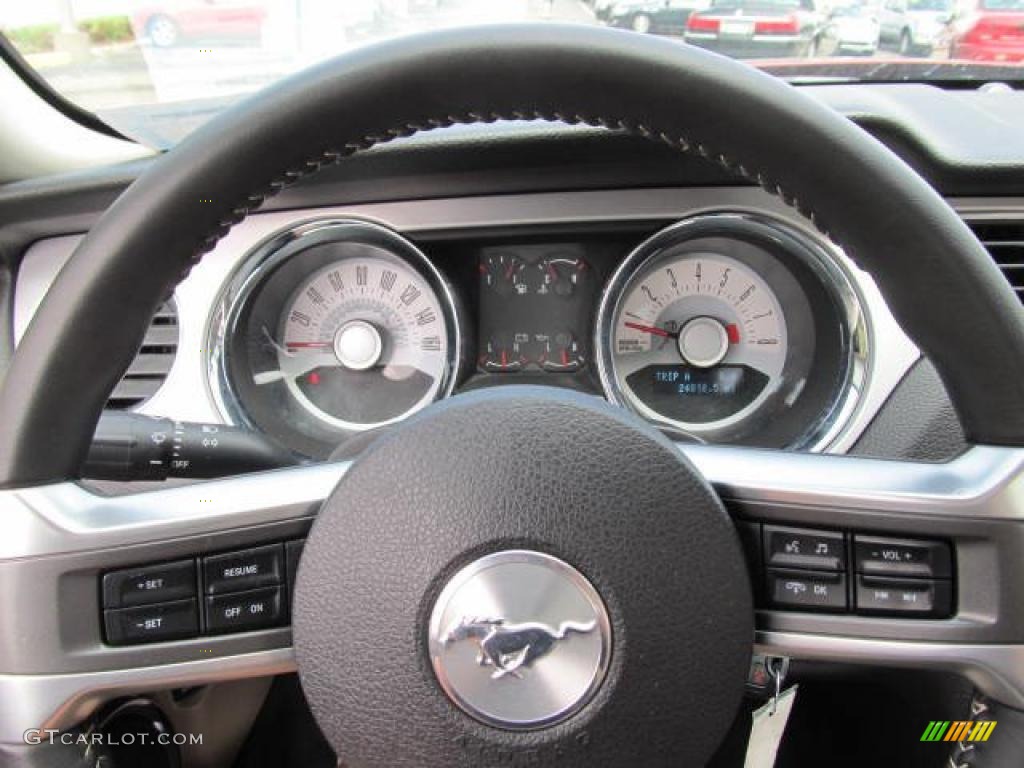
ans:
(152, 623)
(151, 584)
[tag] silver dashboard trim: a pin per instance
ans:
(985, 482)
(65, 518)
(983, 485)
(186, 394)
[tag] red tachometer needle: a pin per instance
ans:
(654, 331)
(732, 330)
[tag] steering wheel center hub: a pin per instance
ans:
(519, 639)
(523, 569)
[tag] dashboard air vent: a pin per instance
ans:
(1004, 239)
(149, 369)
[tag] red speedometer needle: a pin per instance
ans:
(653, 330)
(307, 344)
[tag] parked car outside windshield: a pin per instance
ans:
(745, 29)
(990, 30)
(662, 17)
(914, 26)
(850, 30)
(156, 69)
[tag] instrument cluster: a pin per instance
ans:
(724, 327)
(535, 302)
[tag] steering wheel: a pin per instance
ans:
(639, 651)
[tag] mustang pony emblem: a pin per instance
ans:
(510, 647)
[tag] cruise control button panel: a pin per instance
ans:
(237, 591)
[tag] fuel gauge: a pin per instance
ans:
(501, 272)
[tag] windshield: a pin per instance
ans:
(853, 12)
(156, 69)
(755, 4)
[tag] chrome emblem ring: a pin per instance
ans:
(519, 640)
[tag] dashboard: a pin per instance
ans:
(717, 315)
(466, 198)
(525, 261)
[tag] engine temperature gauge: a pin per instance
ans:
(561, 274)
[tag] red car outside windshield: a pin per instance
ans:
(994, 32)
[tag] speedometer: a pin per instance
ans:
(363, 343)
(732, 328)
(333, 328)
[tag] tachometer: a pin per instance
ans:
(699, 339)
(732, 328)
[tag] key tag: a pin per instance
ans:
(769, 722)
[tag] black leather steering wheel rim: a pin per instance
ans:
(939, 281)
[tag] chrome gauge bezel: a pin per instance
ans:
(270, 254)
(826, 263)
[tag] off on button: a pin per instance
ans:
(258, 609)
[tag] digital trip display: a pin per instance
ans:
(535, 307)
(695, 395)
